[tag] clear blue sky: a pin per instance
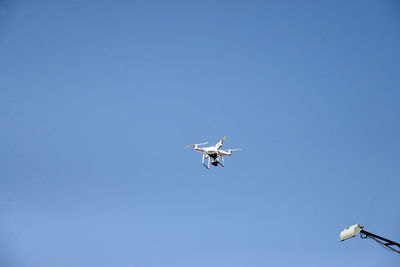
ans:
(99, 98)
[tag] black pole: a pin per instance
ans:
(379, 239)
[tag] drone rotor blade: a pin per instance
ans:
(191, 146)
(223, 140)
(235, 149)
(205, 143)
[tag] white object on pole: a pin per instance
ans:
(350, 231)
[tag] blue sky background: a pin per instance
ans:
(99, 98)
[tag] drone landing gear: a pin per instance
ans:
(213, 160)
(220, 163)
(206, 166)
(217, 160)
(202, 161)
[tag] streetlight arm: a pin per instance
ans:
(381, 240)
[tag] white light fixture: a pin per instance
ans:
(350, 231)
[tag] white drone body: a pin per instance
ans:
(214, 154)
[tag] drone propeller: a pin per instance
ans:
(205, 143)
(223, 140)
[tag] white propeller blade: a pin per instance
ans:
(205, 143)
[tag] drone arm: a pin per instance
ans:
(229, 151)
(199, 149)
(225, 152)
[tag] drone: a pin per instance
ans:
(214, 154)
